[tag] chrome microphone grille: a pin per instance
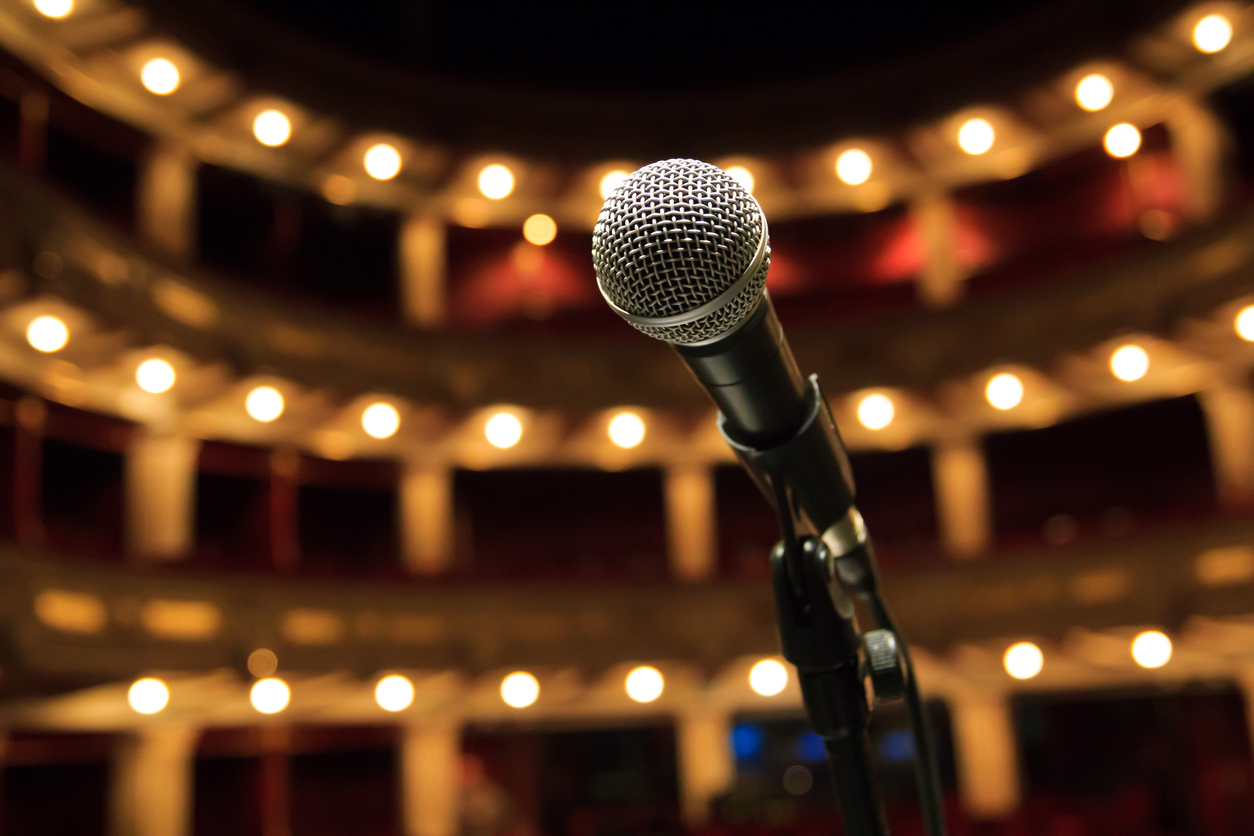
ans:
(681, 251)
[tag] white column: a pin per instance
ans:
(1199, 143)
(986, 753)
(429, 779)
(167, 200)
(707, 766)
(151, 789)
(161, 495)
(941, 277)
(1229, 411)
(422, 270)
(960, 484)
(690, 522)
(426, 517)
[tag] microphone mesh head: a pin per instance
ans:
(674, 236)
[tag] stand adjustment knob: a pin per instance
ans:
(885, 665)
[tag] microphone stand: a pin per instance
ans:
(819, 636)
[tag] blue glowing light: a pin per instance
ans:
(897, 746)
(810, 748)
(746, 740)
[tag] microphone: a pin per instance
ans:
(681, 252)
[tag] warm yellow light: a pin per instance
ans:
(148, 695)
(154, 376)
(394, 693)
(1244, 324)
(875, 412)
(339, 190)
(1129, 362)
(54, 8)
(1212, 33)
(768, 678)
(612, 181)
(1151, 649)
(1023, 660)
(264, 403)
(47, 334)
(1004, 391)
(519, 689)
(382, 161)
(380, 420)
(272, 128)
(503, 430)
(854, 166)
(976, 136)
(644, 684)
(627, 430)
(1094, 92)
(743, 176)
(496, 181)
(160, 76)
(270, 695)
(1122, 140)
(539, 230)
(262, 662)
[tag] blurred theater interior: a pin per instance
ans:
(335, 500)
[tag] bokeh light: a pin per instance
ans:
(611, 181)
(875, 412)
(520, 689)
(1129, 362)
(272, 128)
(1244, 323)
(503, 430)
(47, 334)
(1004, 391)
(382, 161)
(270, 695)
(263, 662)
(743, 176)
(380, 420)
(1212, 33)
(768, 678)
(394, 693)
(160, 76)
(539, 230)
(264, 403)
(55, 9)
(496, 181)
(1122, 140)
(854, 167)
(976, 136)
(148, 695)
(155, 375)
(645, 684)
(627, 430)
(1023, 660)
(1151, 649)
(1094, 92)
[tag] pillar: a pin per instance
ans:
(275, 789)
(707, 766)
(284, 492)
(960, 484)
(1245, 681)
(151, 790)
(1198, 146)
(32, 132)
(426, 517)
(940, 278)
(1229, 411)
(30, 415)
(430, 754)
(422, 265)
(985, 752)
(690, 522)
(161, 496)
(167, 200)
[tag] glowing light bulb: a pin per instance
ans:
(160, 76)
(148, 695)
(270, 695)
(627, 430)
(1023, 660)
(520, 689)
(768, 678)
(644, 684)
(743, 176)
(1151, 649)
(539, 230)
(1094, 92)
(272, 128)
(154, 375)
(394, 693)
(380, 420)
(382, 161)
(976, 136)
(55, 9)
(1122, 140)
(1130, 362)
(503, 430)
(47, 334)
(1004, 391)
(1244, 324)
(264, 404)
(496, 181)
(1212, 33)
(612, 181)
(854, 166)
(875, 412)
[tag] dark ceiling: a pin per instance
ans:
(636, 80)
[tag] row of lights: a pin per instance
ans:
(1150, 649)
(270, 695)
